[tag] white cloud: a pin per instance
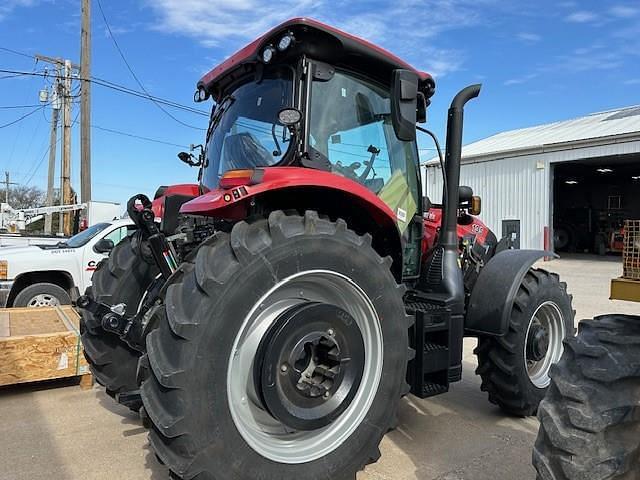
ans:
(632, 81)
(8, 6)
(582, 16)
(528, 37)
(520, 80)
(624, 11)
(401, 26)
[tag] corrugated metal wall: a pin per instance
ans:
(519, 188)
(511, 189)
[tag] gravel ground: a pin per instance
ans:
(57, 431)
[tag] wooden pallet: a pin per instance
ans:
(41, 344)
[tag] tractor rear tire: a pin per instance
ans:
(590, 419)
(225, 311)
(123, 277)
(515, 382)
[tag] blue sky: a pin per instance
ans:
(539, 61)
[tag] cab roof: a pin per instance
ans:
(320, 42)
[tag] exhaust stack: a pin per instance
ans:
(442, 275)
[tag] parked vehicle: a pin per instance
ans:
(46, 275)
(297, 298)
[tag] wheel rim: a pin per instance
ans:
(43, 300)
(265, 434)
(543, 343)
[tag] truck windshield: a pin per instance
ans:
(245, 132)
(83, 237)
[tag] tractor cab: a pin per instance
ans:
(307, 95)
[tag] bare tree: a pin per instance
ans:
(24, 197)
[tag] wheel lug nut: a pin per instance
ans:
(331, 332)
(284, 367)
(326, 395)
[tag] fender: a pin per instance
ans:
(492, 297)
(232, 204)
(183, 189)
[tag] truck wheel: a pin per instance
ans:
(515, 368)
(280, 353)
(122, 278)
(590, 419)
(42, 295)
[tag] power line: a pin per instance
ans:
(135, 77)
(15, 52)
(119, 88)
(9, 107)
(139, 137)
(22, 117)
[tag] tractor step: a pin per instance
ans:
(431, 371)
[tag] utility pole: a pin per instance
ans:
(6, 186)
(85, 103)
(64, 70)
(66, 146)
(55, 105)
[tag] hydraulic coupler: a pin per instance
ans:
(140, 210)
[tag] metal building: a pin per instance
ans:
(566, 186)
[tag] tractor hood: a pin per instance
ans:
(318, 41)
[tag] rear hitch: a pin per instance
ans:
(112, 318)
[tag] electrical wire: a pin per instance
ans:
(114, 86)
(15, 52)
(58, 138)
(9, 107)
(135, 77)
(22, 117)
(139, 137)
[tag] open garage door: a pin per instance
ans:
(591, 200)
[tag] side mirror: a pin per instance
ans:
(104, 245)
(189, 159)
(404, 101)
(475, 207)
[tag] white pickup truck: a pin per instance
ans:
(47, 275)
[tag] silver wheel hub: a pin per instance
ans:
(261, 429)
(43, 300)
(543, 343)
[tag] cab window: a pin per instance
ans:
(119, 233)
(350, 124)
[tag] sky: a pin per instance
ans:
(538, 62)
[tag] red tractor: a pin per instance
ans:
(278, 310)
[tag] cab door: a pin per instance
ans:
(350, 124)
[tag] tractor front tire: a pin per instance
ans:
(280, 353)
(123, 277)
(590, 419)
(515, 367)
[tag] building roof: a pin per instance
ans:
(612, 126)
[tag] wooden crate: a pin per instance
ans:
(41, 344)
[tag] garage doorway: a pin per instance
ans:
(591, 200)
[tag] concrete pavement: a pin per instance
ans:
(57, 431)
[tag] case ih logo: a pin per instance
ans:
(91, 266)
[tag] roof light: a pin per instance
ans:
(268, 53)
(635, 177)
(238, 178)
(285, 42)
(571, 182)
(604, 170)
